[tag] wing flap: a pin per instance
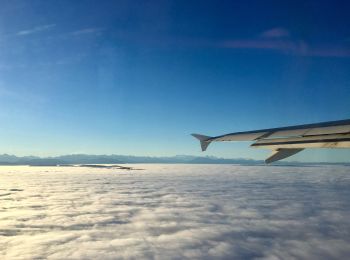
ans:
(314, 141)
(280, 154)
(342, 129)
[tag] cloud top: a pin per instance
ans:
(175, 212)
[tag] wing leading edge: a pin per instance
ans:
(287, 141)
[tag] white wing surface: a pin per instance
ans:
(287, 141)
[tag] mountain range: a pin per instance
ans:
(6, 159)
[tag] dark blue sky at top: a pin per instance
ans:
(137, 77)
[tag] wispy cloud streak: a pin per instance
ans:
(278, 32)
(36, 29)
(300, 48)
(278, 39)
(86, 31)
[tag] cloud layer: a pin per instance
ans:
(175, 212)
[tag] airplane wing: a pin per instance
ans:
(287, 141)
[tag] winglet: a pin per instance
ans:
(281, 153)
(204, 140)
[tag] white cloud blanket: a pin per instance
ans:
(175, 212)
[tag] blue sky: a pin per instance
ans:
(137, 77)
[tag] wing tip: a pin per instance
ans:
(204, 140)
